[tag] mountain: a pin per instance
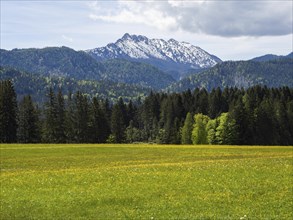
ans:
(53, 61)
(66, 62)
(170, 56)
(269, 57)
(241, 74)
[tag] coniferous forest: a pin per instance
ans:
(255, 116)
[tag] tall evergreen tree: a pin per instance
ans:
(81, 122)
(282, 119)
(167, 121)
(265, 125)
(51, 119)
(28, 122)
(244, 130)
(99, 125)
(61, 117)
(118, 124)
(215, 103)
(70, 120)
(150, 112)
(8, 112)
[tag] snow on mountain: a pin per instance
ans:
(170, 56)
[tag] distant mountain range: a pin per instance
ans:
(269, 57)
(173, 57)
(135, 65)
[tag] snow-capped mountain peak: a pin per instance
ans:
(168, 55)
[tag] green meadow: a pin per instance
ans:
(145, 182)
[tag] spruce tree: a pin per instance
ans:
(215, 103)
(238, 113)
(70, 119)
(81, 116)
(118, 124)
(28, 122)
(61, 114)
(8, 112)
(51, 119)
(99, 124)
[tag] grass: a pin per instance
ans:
(145, 182)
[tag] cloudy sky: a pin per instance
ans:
(231, 30)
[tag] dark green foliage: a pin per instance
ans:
(8, 112)
(258, 115)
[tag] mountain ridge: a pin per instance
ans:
(269, 57)
(170, 56)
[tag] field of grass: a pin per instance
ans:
(145, 182)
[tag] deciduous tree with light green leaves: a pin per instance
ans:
(199, 132)
(211, 131)
(226, 132)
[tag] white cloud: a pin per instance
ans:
(220, 18)
(132, 12)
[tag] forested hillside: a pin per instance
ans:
(240, 74)
(37, 86)
(124, 71)
(256, 116)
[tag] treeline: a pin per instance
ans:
(256, 116)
